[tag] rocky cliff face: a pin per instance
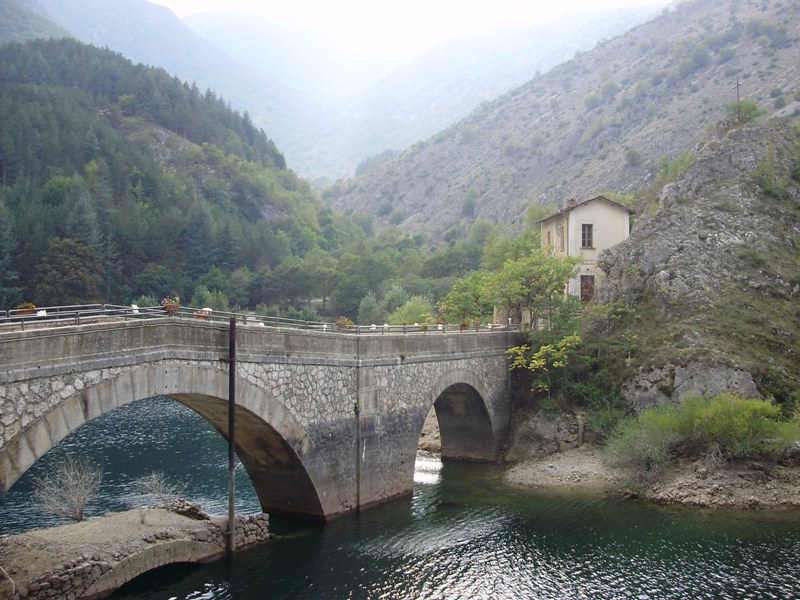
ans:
(712, 272)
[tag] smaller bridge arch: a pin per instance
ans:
(469, 396)
(468, 426)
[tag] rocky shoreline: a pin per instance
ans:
(746, 485)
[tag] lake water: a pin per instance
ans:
(462, 534)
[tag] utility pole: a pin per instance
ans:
(232, 437)
(738, 105)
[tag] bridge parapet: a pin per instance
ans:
(24, 354)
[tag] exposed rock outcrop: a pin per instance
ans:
(672, 383)
(538, 434)
(713, 275)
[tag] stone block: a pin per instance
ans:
(57, 424)
(39, 440)
(93, 403)
(74, 416)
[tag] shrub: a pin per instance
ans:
(592, 101)
(156, 484)
(738, 427)
(672, 169)
(727, 426)
(67, 487)
(743, 111)
(632, 157)
(145, 300)
(641, 450)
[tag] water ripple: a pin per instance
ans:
(463, 535)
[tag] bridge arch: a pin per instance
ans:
(273, 446)
(468, 425)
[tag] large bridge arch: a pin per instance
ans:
(273, 446)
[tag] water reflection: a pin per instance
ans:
(427, 469)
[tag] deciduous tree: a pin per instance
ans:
(67, 487)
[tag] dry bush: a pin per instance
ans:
(67, 487)
(156, 483)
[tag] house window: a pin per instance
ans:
(587, 287)
(586, 236)
(549, 240)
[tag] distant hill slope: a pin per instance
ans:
(711, 275)
(447, 83)
(602, 122)
(141, 31)
(18, 23)
(151, 34)
(341, 118)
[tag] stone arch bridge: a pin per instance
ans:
(326, 422)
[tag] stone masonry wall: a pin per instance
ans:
(101, 572)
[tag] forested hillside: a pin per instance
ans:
(144, 181)
(18, 24)
(604, 122)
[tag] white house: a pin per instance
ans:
(585, 229)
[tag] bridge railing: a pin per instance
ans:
(74, 314)
(204, 314)
(78, 314)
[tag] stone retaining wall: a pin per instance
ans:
(97, 575)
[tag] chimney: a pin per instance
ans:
(571, 203)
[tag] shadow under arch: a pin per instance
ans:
(276, 471)
(467, 426)
(271, 444)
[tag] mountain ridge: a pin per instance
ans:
(603, 122)
(321, 139)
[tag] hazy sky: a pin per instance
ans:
(401, 28)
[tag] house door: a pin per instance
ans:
(587, 288)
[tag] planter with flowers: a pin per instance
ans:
(26, 308)
(171, 304)
(345, 323)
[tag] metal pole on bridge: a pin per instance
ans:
(231, 436)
